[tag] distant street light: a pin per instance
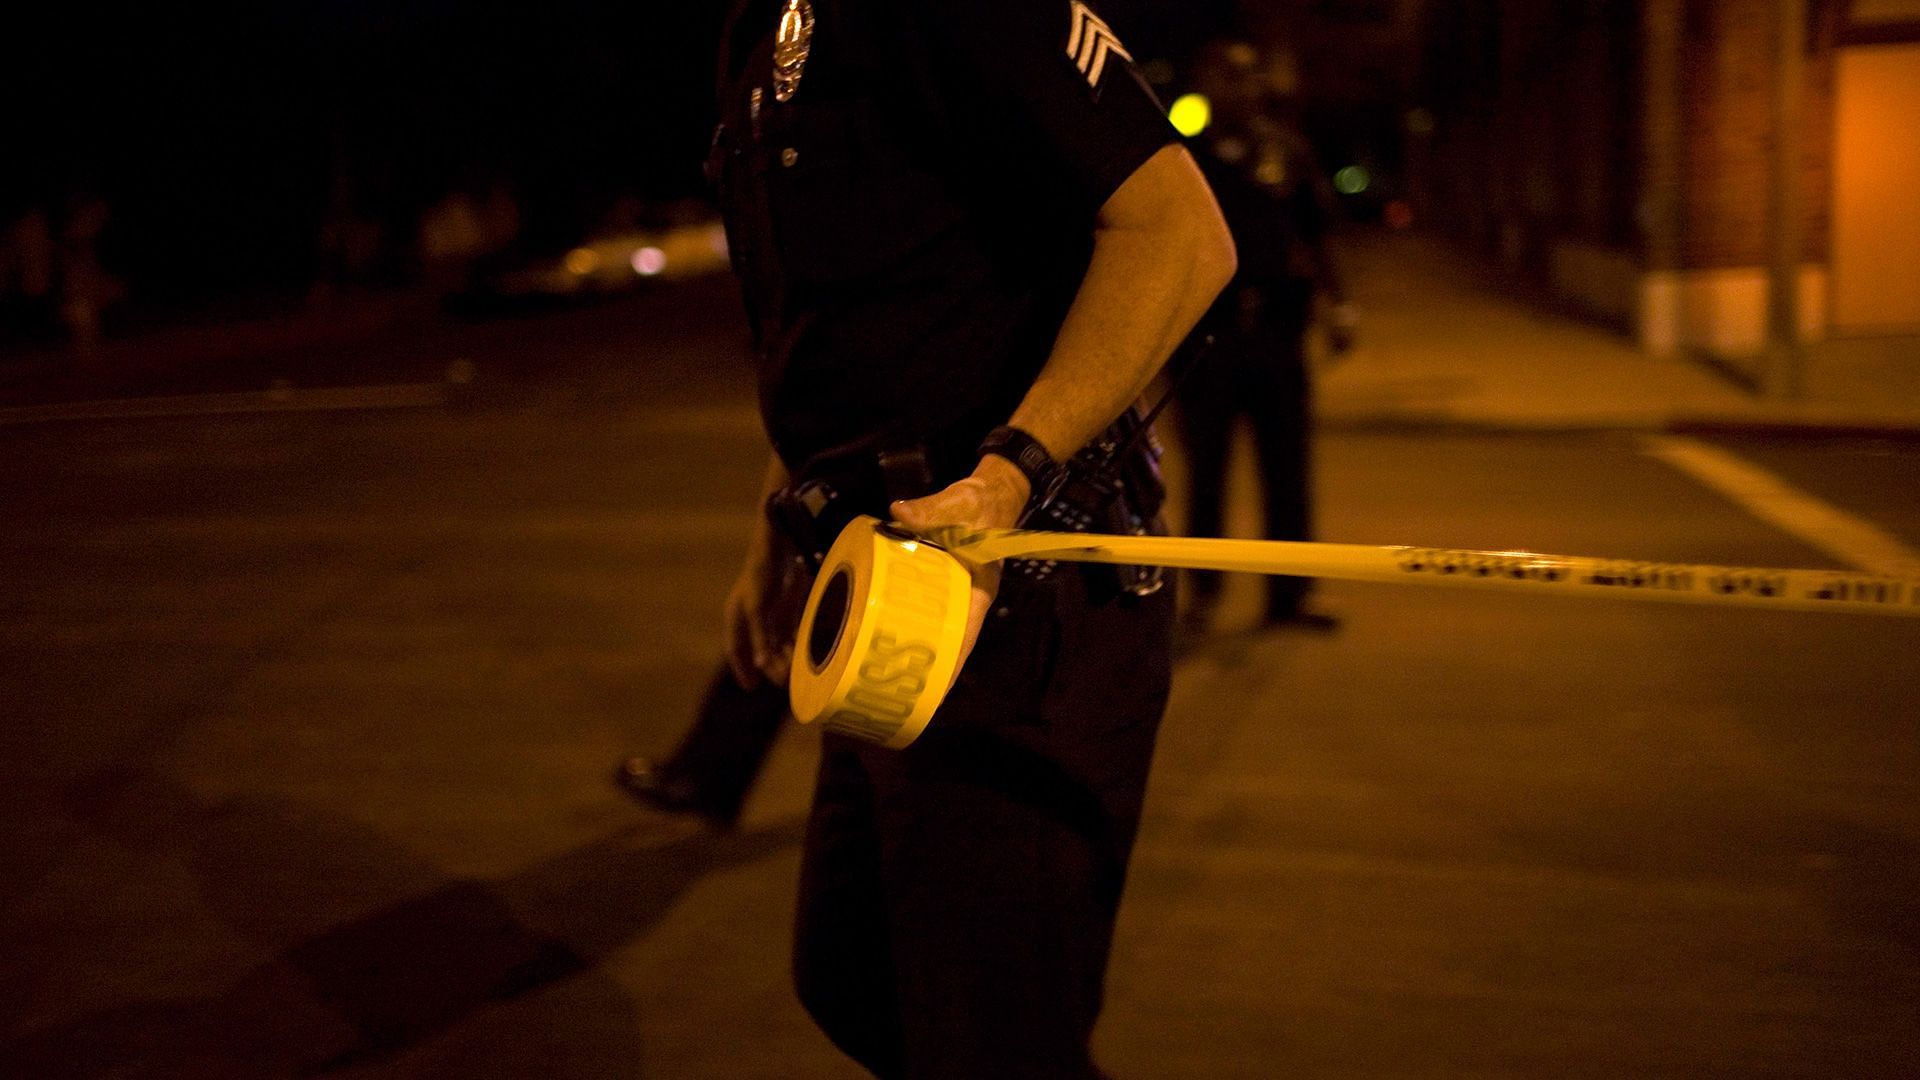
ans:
(1352, 180)
(649, 261)
(1191, 113)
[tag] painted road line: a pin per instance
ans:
(390, 396)
(1773, 500)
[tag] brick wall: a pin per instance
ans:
(1728, 62)
(1543, 130)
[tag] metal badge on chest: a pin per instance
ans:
(790, 48)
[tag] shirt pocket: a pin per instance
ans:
(848, 196)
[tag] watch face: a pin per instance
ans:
(1027, 455)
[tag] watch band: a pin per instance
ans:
(1044, 475)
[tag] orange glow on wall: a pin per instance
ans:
(1876, 232)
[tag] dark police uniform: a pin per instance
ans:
(909, 229)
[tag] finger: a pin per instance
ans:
(954, 505)
(916, 513)
(776, 648)
(745, 675)
(986, 585)
(740, 651)
(780, 667)
(762, 649)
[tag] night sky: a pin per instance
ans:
(216, 132)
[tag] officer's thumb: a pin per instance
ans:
(956, 504)
(914, 513)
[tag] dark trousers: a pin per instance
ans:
(1257, 369)
(957, 898)
(721, 755)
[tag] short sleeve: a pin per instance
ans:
(1044, 84)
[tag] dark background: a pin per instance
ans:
(217, 132)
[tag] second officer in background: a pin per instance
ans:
(1277, 204)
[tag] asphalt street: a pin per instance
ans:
(309, 720)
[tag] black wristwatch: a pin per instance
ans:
(1044, 475)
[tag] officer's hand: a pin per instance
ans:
(755, 646)
(992, 498)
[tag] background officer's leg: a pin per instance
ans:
(719, 758)
(843, 968)
(1282, 430)
(1206, 415)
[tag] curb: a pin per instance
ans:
(1899, 429)
(1785, 427)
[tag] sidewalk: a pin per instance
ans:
(1442, 345)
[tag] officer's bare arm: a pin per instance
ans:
(1161, 254)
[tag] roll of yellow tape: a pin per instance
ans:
(882, 635)
(879, 645)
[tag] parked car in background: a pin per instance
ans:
(608, 264)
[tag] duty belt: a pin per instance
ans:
(1113, 487)
(825, 497)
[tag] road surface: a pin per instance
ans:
(310, 715)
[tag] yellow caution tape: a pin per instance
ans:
(884, 626)
(880, 642)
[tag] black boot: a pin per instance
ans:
(660, 787)
(714, 768)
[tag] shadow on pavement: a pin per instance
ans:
(357, 978)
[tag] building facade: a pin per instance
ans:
(1626, 153)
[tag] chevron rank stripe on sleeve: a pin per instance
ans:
(1090, 41)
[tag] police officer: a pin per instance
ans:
(967, 239)
(1276, 201)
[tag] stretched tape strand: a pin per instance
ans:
(884, 627)
(1801, 590)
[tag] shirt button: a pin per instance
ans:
(789, 156)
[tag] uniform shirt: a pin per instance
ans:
(911, 227)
